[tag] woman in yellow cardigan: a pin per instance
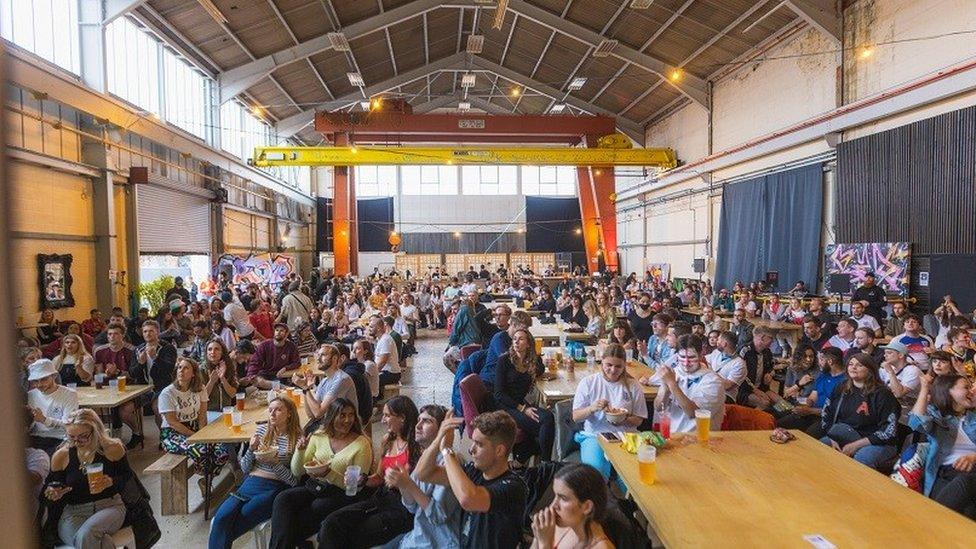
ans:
(338, 444)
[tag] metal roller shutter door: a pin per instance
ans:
(172, 222)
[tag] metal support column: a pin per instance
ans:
(91, 35)
(344, 225)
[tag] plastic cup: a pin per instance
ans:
(276, 385)
(239, 401)
(228, 415)
(703, 420)
(647, 463)
(538, 346)
(237, 419)
(121, 381)
(113, 384)
(93, 471)
(630, 355)
(296, 396)
(73, 386)
(352, 479)
(99, 381)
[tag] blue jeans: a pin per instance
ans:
(873, 456)
(244, 509)
(592, 454)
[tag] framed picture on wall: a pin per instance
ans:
(54, 281)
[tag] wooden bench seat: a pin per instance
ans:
(174, 474)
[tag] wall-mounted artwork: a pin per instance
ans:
(261, 269)
(660, 272)
(890, 261)
(54, 281)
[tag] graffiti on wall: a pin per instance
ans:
(890, 261)
(261, 268)
(659, 273)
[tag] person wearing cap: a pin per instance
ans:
(50, 404)
(871, 296)
(178, 291)
(296, 307)
(898, 374)
(724, 301)
(271, 358)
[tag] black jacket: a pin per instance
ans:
(873, 415)
(162, 369)
(357, 371)
(753, 373)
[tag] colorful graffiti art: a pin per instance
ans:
(890, 261)
(660, 272)
(261, 269)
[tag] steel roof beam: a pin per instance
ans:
(822, 15)
(117, 8)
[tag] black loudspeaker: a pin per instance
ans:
(772, 279)
(699, 265)
(839, 283)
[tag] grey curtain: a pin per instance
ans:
(771, 223)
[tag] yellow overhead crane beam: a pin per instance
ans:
(610, 151)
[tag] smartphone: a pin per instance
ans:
(610, 437)
(57, 485)
(261, 422)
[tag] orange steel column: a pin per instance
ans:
(604, 187)
(588, 212)
(344, 226)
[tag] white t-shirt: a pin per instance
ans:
(705, 389)
(409, 313)
(840, 343)
(909, 376)
(733, 368)
(236, 316)
(55, 407)
(867, 321)
(338, 385)
(625, 393)
(385, 346)
(962, 446)
(186, 404)
(373, 377)
(353, 312)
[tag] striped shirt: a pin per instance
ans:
(280, 469)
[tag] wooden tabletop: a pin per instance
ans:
(697, 311)
(564, 386)
(108, 397)
(552, 331)
(776, 324)
(745, 491)
(254, 411)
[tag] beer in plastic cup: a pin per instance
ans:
(228, 415)
(93, 471)
(237, 419)
(703, 419)
(122, 381)
(630, 355)
(99, 381)
(647, 463)
(352, 479)
(114, 384)
(240, 402)
(538, 346)
(296, 397)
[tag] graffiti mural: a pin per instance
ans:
(890, 261)
(261, 269)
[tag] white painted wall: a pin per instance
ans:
(427, 214)
(685, 131)
(368, 260)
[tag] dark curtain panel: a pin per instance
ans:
(551, 225)
(323, 225)
(375, 223)
(771, 223)
(469, 243)
(952, 274)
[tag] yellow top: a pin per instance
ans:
(358, 452)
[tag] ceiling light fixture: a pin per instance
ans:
(865, 52)
(464, 106)
(605, 48)
(557, 108)
(364, 105)
(476, 42)
(468, 80)
(515, 92)
(676, 75)
(577, 83)
(355, 79)
(339, 41)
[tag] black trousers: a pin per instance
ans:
(368, 523)
(797, 421)
(543, 432)
(388, 378)
(298, 513)
(956, 490)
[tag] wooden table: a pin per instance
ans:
(793, 331)
(564, 386)
(104, 400)
(254, 411)
(551, 332)
(745, 491)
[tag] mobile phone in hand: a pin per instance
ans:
(610, 437)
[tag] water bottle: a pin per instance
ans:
(352, 479)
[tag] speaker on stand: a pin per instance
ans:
(840, 284)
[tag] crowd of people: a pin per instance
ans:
(859, 380)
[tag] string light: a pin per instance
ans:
(578, 230)
(376, 104)
(457, 234)
(516, 92)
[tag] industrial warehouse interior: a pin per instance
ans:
(414, 274)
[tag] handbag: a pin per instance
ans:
(842, 433)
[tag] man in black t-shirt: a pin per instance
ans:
(759, 368)
(491, 496)
(872, 297)
(814, 335)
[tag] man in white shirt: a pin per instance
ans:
(691, 386)
(725, 362)
(353, 311)
(49, 404)
(710, 320)
(902, 378)
(387, 356)
(844, 338)
(864, 320)
(296, 307)
(236, 316)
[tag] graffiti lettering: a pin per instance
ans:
(260, 269)
(890, 261)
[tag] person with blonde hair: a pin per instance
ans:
(74, 363)
(269, 473)
(93, 508)
(595, 321)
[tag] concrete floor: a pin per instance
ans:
(426, 381)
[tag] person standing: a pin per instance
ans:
(872, 296)
(296, 307)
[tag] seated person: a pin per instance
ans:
(362, 351)
(807, 416)
(491, 496)
(201, 336)
(501, 342)
(622, 334)
(434, 508)
(741, 327)
(960, 346)
(864, 343)
(844, 339)
(898, 374)
(250, 504)
(801, 375)
(575, 517)
(864, 320)
(725, 362)
(93, 508)
(945, 411)
(73, 362)
(574, 314)
(759, 368)
(515, 375)
(221, 377)
(335, 383)
(612, 389)
(271, 358)
(338, 443)
(657, 350)
(861, 415)
(940, 364)
(595, 323)
(50, 404)
(691, 386)
(918, 344)
(813, 333)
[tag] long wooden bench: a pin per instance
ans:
(174, 474)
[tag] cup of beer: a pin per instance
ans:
(630, 355)
(647, 463)
(296, 397)
(93, 471)
(122, 381)
(703, 420)
(228, 416)
(538, 346)
(239, 401)
(236, 420)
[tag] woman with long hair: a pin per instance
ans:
(515, 375)
(93, 508)
(622, 334)
(338, 444)
(183, 405)
(575, 517)
(595, 321)
(73, 363)
(945, 412)
(381, 517)
(221, 375)
(861, 415)
(574, 313)
(221, 330)
(363, 351)
(267, 462)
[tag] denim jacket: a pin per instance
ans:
(941, 434)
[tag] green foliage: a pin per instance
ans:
(153, 293)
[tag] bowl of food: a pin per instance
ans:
(317, 468)
(266, 454)
(616, 416)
